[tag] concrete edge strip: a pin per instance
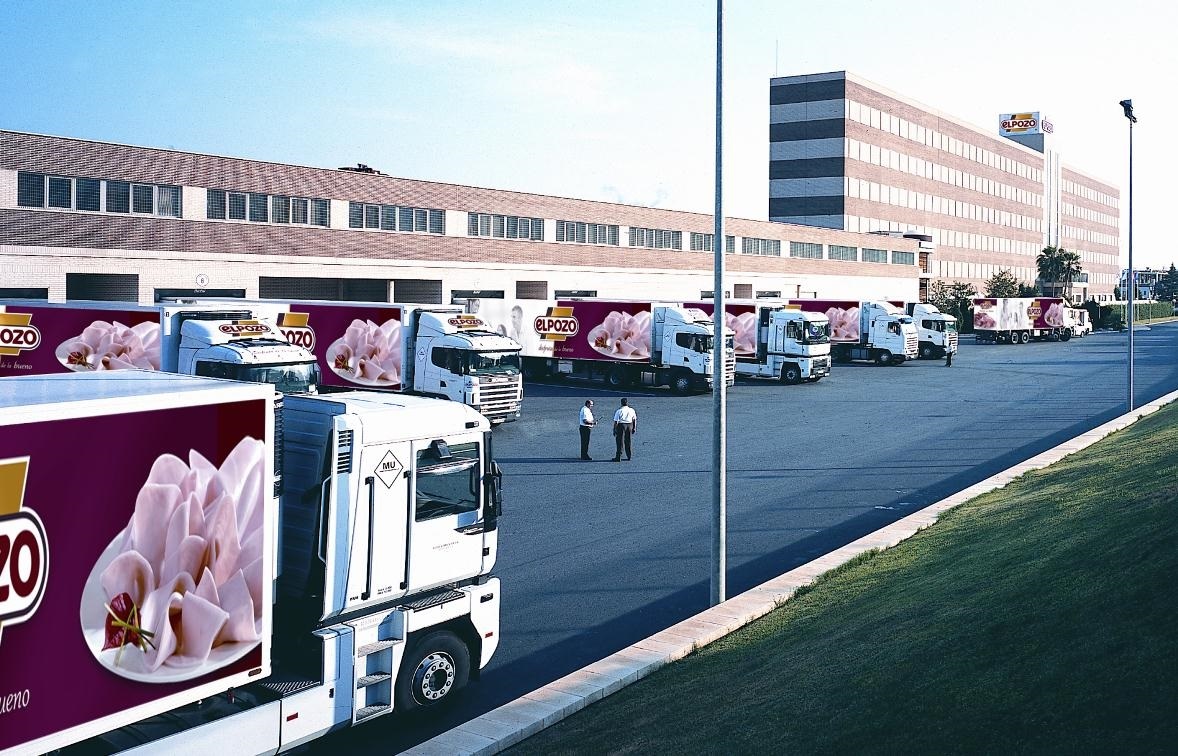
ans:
(512, 722)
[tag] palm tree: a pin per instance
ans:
(1070, 268)
(1058, 268)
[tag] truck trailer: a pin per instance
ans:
(1017, 320)
(876, 331)
(935, 330)
(38, 337)
(775, 340)
(181, 605)
(623, 342)
(431, 350)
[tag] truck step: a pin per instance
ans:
(372, 679)
(436, 599)
(371, 711)
(372, 648)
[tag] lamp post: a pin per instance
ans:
(1132, 281)
(719, 347)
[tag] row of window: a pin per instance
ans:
(946, 238)
(655, 238)
(932, 203)
(1083, 234)
(703, 243)
(956, 269)
(258, 207)
(905, 129)
(752, 246)
(504, 226)
(1088, 214)
(1087, 192)
(927, 169)
(96, 195)
(587, 233)
(396, 218)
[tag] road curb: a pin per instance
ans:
(517, 720)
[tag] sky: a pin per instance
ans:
(602, 100)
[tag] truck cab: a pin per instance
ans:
(236, 346)
(936, 331)
(458, 357)
(886, 336)
(682, 341)
(795, 346)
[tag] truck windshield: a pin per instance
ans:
(951, 326)
(816, 333)
(297, 378)
(491, 363)
(447, 480)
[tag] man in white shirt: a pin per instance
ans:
(586, 427)
(625, 426)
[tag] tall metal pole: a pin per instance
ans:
(1132, 275)
(719, 385)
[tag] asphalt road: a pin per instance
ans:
(597, 555)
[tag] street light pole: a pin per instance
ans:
(719, 345)
(1132, 282)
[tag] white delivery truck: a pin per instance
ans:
(623, 342)
(775, 340)
(1077, 321)
(38, 337)
(1017, 320)
(159, 597)
(936, 331)
(877, 331)
(431, 350)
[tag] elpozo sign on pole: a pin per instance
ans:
(1023, 123)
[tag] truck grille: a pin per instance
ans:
(730, 369)
(500, 397)
(821, 363)
(911, 344)
(953, 342)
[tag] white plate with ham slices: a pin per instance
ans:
(133, 664)
(344, 363)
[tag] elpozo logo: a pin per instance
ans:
(466, 321)
(557, 324)
(24, 549)
(17, 333)
(1020, 122)
(244, 328)
(294, 326)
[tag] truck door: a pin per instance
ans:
(445, 539)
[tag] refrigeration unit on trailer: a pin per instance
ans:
(936, 331)
(431, 350)
(775, 340)
(876, 331)
(182, 604)
(1017, 320)
(623, 342)
(193, 339)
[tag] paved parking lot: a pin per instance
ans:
(596, 555)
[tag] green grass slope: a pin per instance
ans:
(1042, 617)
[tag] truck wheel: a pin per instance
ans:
(791, 374)
(617, 376)
(883, 357)
(1065, 334)
(1024, 337)
(927, 351)
(435, 669)
(841, 354)
(681, 382)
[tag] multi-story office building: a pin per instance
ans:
(92, 220)
(847, 154)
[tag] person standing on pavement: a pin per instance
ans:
(586, 427)
(948, 359)
(625, 426)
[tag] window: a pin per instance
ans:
(420, 219)
(806, 250)
(236, 206)
(903, 258)
(320, 212)
(875, 255)
(586, 233)
(838, 252)
(499, 226)
(168, 201)
(355, 215)
(298, 211)
(61, 193)
(372, 216)
(446, 480)
(30, 189)
(753, 246)
(388, 218)
(142, 198)
(215, 204)
(118, 197)
(656, 238)
(259, 208)
(89, 193)
(280, 209)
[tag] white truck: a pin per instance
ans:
(431, 350)
(623, 342)
(198, 611)
(775, 340)
(876, 331)
(935, 330)
(1018, 320)
(1078, 322)
(38, 337)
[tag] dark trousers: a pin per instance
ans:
(622, 433)
(585, 431)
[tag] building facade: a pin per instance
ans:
(92, 220)
(847, 154)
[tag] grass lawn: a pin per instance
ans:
(1042, 617)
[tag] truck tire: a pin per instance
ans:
(927, 350)
(436, 668)
(1065, 334)
(841, 354)
(791, 374)
(883, 357)
(618, 376)
(681, 382)
(1024, 337)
